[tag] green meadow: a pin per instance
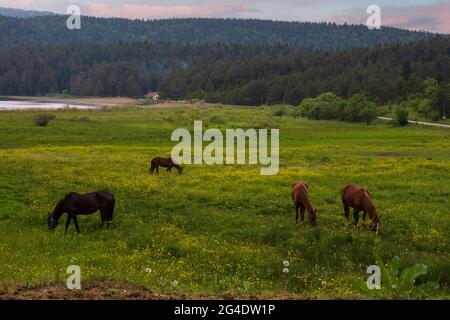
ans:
(222, 230)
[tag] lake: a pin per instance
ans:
(26, 105)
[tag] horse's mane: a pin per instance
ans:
(61, 203)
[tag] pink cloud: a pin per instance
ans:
(433, 17)
(135, 11)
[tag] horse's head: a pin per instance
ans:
(180, 169)
(51, 222)
(313, 218)
(375, 225)
(60, 208)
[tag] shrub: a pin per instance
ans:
(328, 106)
(385, 110)
(359, 109)
(401, 116)
(324, 107)
(400, 282)
(368, 114)
(279, 112)
(43, 119)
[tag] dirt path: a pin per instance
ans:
(93, 290)
(181, 104)
(420, 123)
(112, 290)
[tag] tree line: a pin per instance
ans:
(385, 74)
(52, 30)
(234, 74)
(106, 69)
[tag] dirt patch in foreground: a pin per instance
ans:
(112, 290)
(92, 290)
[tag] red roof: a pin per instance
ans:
(152, 94)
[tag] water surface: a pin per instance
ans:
(26, 105)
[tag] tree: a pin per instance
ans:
(361, 109)
(401, 116)
(443, 99)
(368, 113)
(275, 93)
(430, 89)
(326, 106)
(406, 70)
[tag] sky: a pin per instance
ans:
(429, 15)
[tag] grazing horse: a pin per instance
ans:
(301, 201)
(360, 200)
(76, 204)
(165, 163)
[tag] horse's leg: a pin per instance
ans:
(107, 215)
(169, 169)
(302, 213)
(356, 216)
(103, 216)
(69, 218)
(152, 169)
(75, 220)
(346, 210)
(296, 214)
(157, 169)
(364, 215)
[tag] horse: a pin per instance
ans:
(76, 204)
(360, 200)
(301, 200)
(165, 163)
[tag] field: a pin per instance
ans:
(221, 231)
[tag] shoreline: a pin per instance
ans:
(87, 102)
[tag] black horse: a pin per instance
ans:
(76, 204)
(165, 163)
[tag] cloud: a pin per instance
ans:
(432, 17)
(40, 5)
(142, 11)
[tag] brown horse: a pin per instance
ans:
(165, 163)
(300, 197)
(360, 200)
(76, 204)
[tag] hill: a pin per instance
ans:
(18, 13)
(47, 30)
(384, 73)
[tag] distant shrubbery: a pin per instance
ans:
(424, 104)
(401, 116)
(43, 119)
(279, 112)
(329, 106)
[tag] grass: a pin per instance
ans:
(221, 229)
